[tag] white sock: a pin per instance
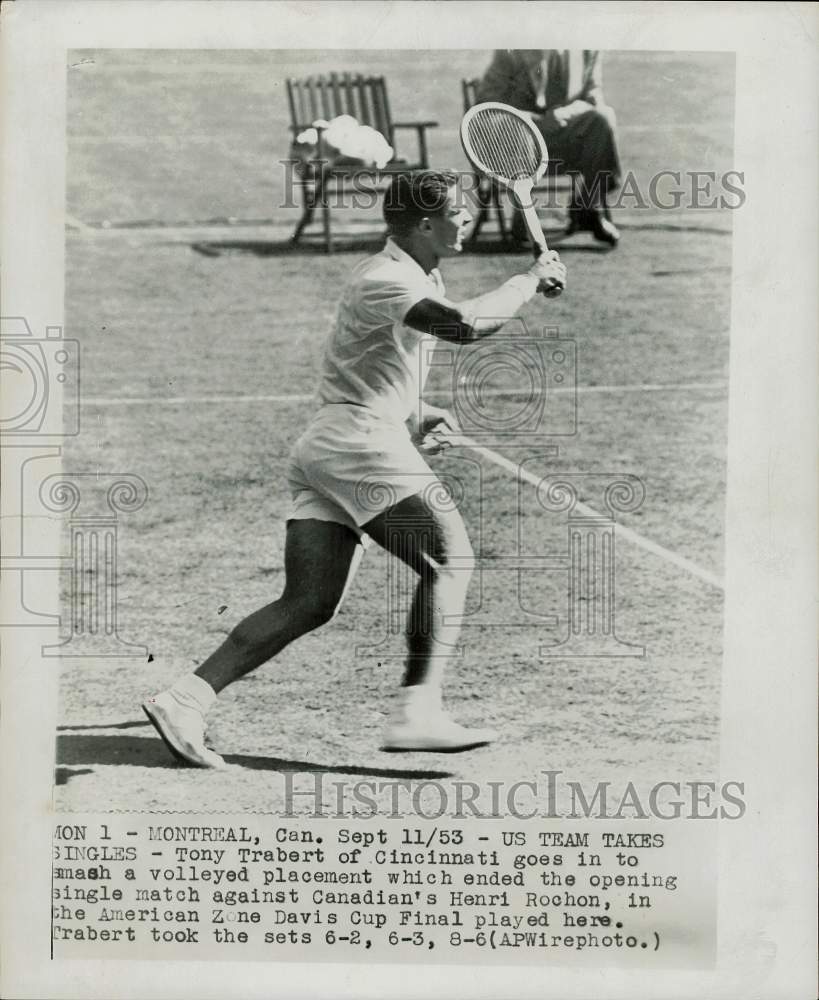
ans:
(420, 698)
(193, 691)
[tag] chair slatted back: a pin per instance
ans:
(470, 92)
(363, 97)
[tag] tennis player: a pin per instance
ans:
(356, 474)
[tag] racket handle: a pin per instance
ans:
(535, 230)
(539, 246)
(522, 191)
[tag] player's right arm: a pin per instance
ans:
(473, 319)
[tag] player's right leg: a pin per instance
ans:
(320, 560)
(432, 540)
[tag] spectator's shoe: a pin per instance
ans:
(604, 230)
(594, 221)
(578, 220)
(182, 729)
(419, 723)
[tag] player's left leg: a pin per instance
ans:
(434, 543)
(320, 560)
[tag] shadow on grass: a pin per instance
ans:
(133, 724)
(674, 227)
(135, 751)
(284, 248)
(63, 775)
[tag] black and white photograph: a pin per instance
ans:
(407, 478)
(395, 510)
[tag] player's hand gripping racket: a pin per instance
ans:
(507, 146)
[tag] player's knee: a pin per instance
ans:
(313, 612)
(466, 561)
(456, 566)
(463, 555)
(326, 612)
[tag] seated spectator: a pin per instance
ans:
(562, 91)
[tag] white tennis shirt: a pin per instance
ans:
(372, 359)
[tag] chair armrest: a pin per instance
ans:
(420, 130)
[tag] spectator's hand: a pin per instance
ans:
(550, 272)
(565, 114)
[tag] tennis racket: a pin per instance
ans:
(504, 144)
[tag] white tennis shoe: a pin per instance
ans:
(182, 728)
(419, 723)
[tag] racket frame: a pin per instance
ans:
(522, 187)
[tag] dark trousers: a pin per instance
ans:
(586, 147)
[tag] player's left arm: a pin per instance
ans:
(473, 319)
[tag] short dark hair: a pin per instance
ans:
(415, 195)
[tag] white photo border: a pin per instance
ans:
(766, 914)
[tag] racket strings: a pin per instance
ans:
(504, 143)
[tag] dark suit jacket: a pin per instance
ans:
(509, 80)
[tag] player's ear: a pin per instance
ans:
(424, 225)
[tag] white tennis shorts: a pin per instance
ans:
(349, 466)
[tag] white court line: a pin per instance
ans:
(188, 400)
(304, 398)
(643, 387)
(668, 126)
(492, 456)
(621, 530)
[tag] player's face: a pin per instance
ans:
(448, 228)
